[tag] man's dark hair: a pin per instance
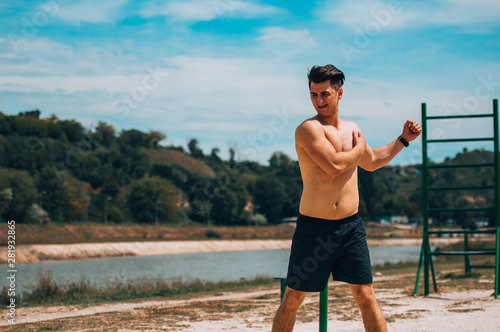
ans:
(319, 74)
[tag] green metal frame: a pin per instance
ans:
(323, 304)
(426, 252)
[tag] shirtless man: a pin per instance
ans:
(330, 237)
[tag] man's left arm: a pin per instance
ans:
(374, 159)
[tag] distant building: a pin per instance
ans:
(393, 219)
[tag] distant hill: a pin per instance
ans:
(174, 157)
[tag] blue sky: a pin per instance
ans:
(233, 73)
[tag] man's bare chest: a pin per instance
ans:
(341, 139)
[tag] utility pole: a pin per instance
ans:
(40, 214)
(106, 209)
(156, 211)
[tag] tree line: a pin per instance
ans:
(54, 170)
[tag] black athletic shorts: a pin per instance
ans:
(321, 247)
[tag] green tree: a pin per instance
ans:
(52, 192)
(238, 188)
(76, 200)
(269, 197)
(368, 192)
(5, 194)
(133, 138)
(214, 155)
(105, 134)
(225, 207)
(194, 149)
(152, 197)
(154, 137)
(287, 171)
(33, 114)
(4, 157)
(72, 129)
(199, 210)
(412, 210)
(19, 185)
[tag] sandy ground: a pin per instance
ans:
(454, 309)
(36, 253)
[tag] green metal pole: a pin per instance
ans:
(431, 263)
(419, 269)
(425, 199)
(323, 310)
(283, 288)
(497, 196)
(466, 257)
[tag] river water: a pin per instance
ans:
(214, 266)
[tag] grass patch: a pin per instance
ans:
(455, 276)
(402, 316)
(465, 310)
(265, 297)
(48, 291)
(395, 268)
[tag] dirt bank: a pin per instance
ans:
(71, 234)
(88, 233)
(44, 252)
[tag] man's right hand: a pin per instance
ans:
(358, 141)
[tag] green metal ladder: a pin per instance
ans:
(426, 253)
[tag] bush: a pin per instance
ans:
(210, 234)
(259, 219)
(4, 296)
(44, 291)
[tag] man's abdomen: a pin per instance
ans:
(329, 203)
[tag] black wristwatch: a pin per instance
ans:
(405, 142)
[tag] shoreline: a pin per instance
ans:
(26, 254)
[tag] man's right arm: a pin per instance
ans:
(312, 139)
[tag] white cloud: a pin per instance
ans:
(472, 16)
(250, 85)
(68, 83)
(46, 57)
(91, 11)
(200, 10)
(279, 38)
(466, 12)
(35, 48)
(363, 12)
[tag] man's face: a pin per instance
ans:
(325, 98)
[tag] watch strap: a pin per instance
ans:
(405, 142)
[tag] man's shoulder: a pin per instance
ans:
(308, 124)
(309, 127)
(309, 130)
